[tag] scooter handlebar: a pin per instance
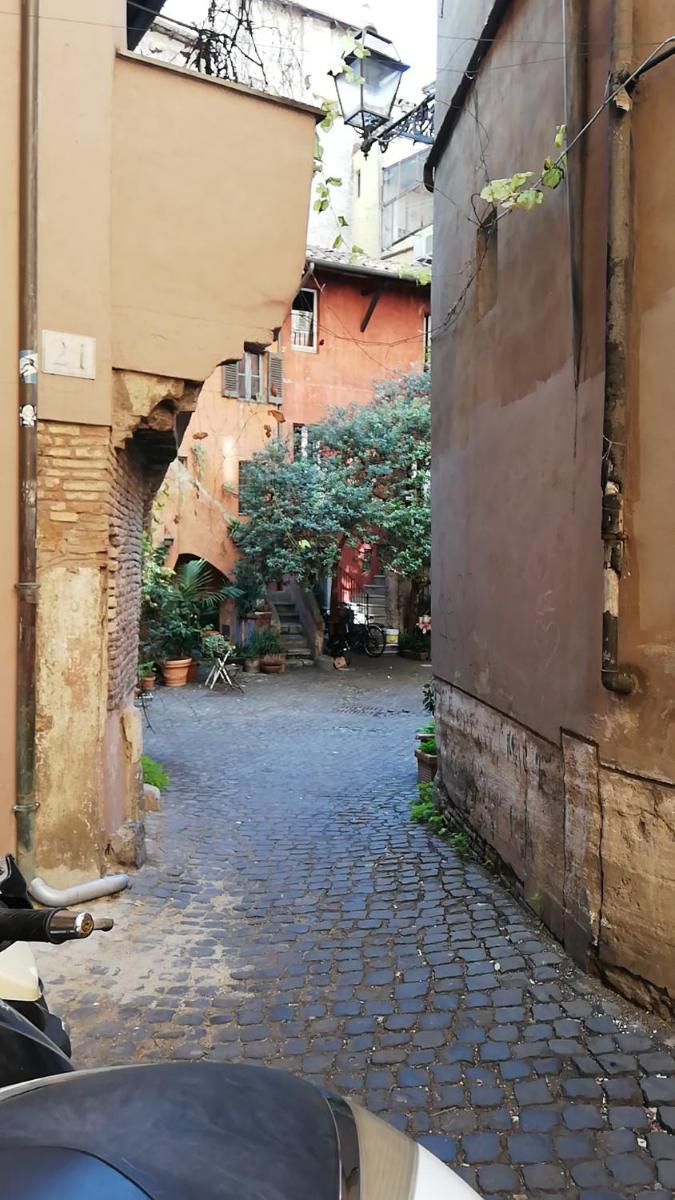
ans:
(53, 925)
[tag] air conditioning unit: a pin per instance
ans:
(423, 246)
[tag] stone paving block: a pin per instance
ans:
(544, 1177)
(667, 1118)
(530, 1148)
(533, 1091)
(539, 1120)
(318, 929)
(498, 1178)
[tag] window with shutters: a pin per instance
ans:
(275, 378)
(243, 379)
(304, 321)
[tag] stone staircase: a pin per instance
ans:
(377, 600)
(291, 632)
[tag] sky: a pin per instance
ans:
(415, 40)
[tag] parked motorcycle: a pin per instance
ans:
(20, 924)
(178, 1131)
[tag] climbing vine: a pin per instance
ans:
(516, 191)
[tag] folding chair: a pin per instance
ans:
(223, 670)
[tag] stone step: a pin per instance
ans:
(291, 627)
(293, 640)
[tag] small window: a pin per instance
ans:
(244, 467)
(305, 442)
(244, 378)
(427, 341)
(304, 320)
(358, 185)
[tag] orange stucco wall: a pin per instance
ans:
(348, 363)
(200, 495)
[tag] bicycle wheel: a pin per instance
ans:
(375, 641)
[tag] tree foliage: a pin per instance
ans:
(365, 479)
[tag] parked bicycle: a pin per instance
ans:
(352, 631)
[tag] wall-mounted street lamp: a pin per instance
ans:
(368, 85)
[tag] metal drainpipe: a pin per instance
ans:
(26, 805)
(619, 266)
(575, 83)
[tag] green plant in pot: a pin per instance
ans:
(427, 760)
(174, 638)
(175, 605)
(146, 676)
(250, 656)
(270, 650)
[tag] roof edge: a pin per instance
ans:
(158, 64)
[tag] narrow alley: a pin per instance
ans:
(291, 914)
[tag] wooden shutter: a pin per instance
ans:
(275, 377)
(230, 382)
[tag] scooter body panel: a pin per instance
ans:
(182, 1131)
(19, 978)
(25, 1052)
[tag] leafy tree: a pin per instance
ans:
(300, 513)
(385, 448)
(366, 480)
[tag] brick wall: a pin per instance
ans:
(129, 497)
(73, 494)
(93, 501)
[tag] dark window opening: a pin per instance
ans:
(304, 320)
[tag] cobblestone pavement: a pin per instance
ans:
(292, 915)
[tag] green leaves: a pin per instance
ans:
(505, 191)
(552, 174)
(512, 192)
(330, 109)
(369, 482)
(529, 199)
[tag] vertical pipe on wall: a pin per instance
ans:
(575, 83)
(619, 270)
(25, 805)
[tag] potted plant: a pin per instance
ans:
(175, 604)
(417, 645)
(426, 732)
(271, 651)
(174, 639)
(250, 656)
(427, 760)
(146, 676)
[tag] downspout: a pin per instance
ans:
(575, 85)
(619, 268)
(26, 805)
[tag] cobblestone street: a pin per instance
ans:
(291, 914)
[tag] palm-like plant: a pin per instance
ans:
(176, 602)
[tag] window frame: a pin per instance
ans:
(314, 348)
(245, 373)
(389, 206)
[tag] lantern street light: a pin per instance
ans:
(369, 83)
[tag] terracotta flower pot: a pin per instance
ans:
(147, 683)
(175, 672)
(427, 765)
(273, 664)
(252, 666)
